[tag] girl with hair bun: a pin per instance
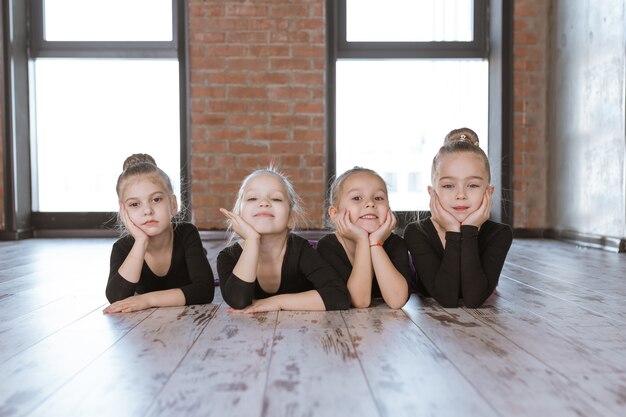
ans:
(271, 268)
(458, 253)
(157, 262)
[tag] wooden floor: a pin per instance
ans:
(551, 342)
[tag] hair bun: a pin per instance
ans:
(138, 158)
(463, 134)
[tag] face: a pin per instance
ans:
(265, 205)
(364, 196)
(149, 205)
(460, 182)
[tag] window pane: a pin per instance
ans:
(392, 117)
(409, 20)
(89, 116)
(108, 20)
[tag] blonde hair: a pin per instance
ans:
(457, 141)
(336, 187)
(296, 212)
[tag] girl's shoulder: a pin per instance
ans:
(491, 229)
(297, 242)
(330, 237)
(394, 240)
(184, 228)
(424, 227)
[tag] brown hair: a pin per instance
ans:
(457, 141)
(142, 164)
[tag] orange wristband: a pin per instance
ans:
(376, 244)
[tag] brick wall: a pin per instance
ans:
(530, 140)
(257, 96)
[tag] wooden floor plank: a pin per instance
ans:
(550, 341)
(38, 372)
(26, 331)
(125, 379)
(599, 268)
(315, 370)
(409, 376)
(498, 368)
(566, 351)
(225, 371)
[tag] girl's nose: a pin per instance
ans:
(264, 202)
(461, 194)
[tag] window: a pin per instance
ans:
(405, 73)
(105, 82)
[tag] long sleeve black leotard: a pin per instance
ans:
(302, 270)
(468, 268)
(190, 269)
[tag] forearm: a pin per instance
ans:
(308, 300)
(360, 279)
(246, 267)
(165, 298)
(130, 269)
(393, 286)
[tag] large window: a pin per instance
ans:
(405, 73)
(105, 82)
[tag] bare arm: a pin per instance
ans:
(246, 267)
(164, 298)
(130, 269)
(308, 300)
(393, 285)
(360, 280)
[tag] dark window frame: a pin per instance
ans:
(24, 22)
(41, 48)
(477, 48)
(492, 40)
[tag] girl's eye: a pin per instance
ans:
(447, 186)
(251, 199)
(277, 199)
(357, 198)
(157, 199)
(474, 186)
(133, 205)
(379, 198)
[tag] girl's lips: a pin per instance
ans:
(263, 215)
(460, 208)
(150, 222)
(369, 217)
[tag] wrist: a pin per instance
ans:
(376, 243)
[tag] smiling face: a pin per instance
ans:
(148, 203)
(460, 181)
(364, 196)
(265, 205)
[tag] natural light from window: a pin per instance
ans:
(409, 20)
(89, 115)
(108, 20)
(392, 116)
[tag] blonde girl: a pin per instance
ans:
(271, 268)
(156, 263)
(369, 257)
(458, 252)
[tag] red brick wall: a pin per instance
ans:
(530, 63)
(257, 96)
